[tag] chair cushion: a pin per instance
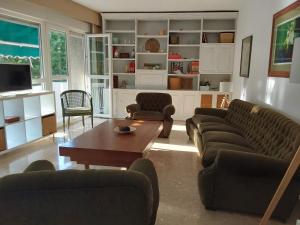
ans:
(225, 137)
(215, 126)
(198, 119)
(75, 110)
(211, 150)
(148, 115)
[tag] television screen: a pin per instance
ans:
(15, 77)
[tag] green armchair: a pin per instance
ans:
(42, 195)
(76, 103)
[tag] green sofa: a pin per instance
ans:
(42, 195)
(245, 152)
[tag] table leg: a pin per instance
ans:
(86, 166)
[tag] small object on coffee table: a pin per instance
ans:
(124, 129)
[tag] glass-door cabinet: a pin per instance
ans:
(99, 73)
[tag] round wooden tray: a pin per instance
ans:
(152, 45)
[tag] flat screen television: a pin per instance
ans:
(15, 77)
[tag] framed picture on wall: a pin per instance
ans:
(246, 56)
(286, 27)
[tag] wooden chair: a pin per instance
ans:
(76, 103)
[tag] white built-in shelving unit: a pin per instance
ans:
(131, 31)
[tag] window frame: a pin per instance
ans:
(37, 25)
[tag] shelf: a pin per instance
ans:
(186, 31)
(219, 31)
(123, 59)
(123, 45)
(33, 129)
(120, 31)
(123, 74)
(151, 70)
(185, 45)
(96, 52)
(217, 44)
(183, 75)
(151, 53)
(15, 134)
(182, 60)
(151, 36)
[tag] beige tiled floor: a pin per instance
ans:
(177, 162)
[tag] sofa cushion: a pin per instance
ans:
(148, 115)
(211, 150)
(225, 137)
(198, 119)
(76, 110)
(215, 126)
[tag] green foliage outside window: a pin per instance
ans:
(58, 48)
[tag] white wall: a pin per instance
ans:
(255, 19)
(22, 8)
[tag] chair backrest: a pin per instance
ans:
(239, 113)
(75, 98)
(73, 197)
(153, 101)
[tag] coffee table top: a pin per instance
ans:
(103, 137)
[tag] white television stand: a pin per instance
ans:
(36, 113)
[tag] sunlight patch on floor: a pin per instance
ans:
(60, 134)
(172, 147)
(177, 127)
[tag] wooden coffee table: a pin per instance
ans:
(103, 146)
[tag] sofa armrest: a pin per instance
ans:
(211, 111)
(251, 164)
(146, 167)
(131, 109)
(168, 110)
(40, 165)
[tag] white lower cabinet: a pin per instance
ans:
(217, 58)
(147, 79)
(184, 102)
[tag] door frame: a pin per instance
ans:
(104, 77)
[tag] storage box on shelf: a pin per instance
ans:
(2, 139)
(49, 124)
(28, 111)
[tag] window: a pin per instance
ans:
(59, 65)
(20, 43)
(59, 56)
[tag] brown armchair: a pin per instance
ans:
(153, 106)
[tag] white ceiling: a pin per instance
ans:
(159, 5)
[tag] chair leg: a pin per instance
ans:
(64, 124)
(83, 121)
(69, 122)
(92, 120)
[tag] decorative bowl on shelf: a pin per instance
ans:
(152, 45)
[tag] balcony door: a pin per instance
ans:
(99, 75)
